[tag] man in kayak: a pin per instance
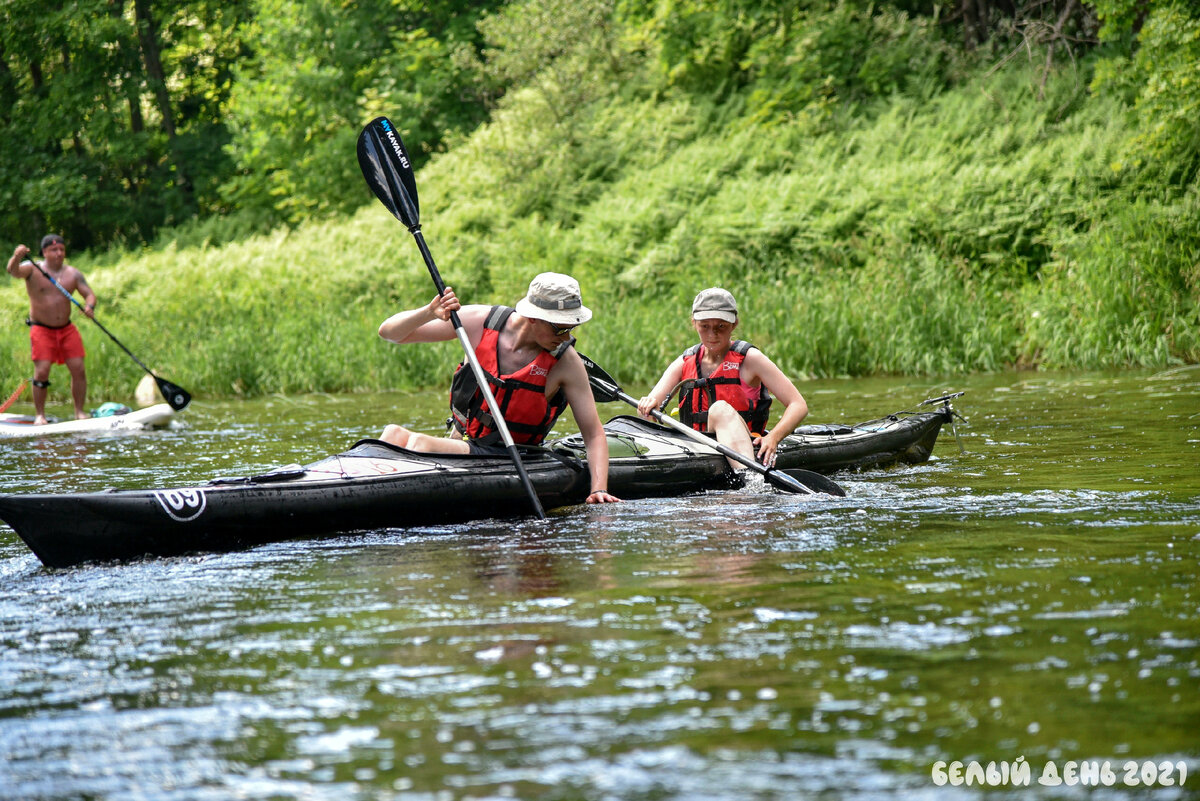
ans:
(53, 338)
(528, 350)
(726, 384)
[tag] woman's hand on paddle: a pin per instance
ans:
(646, 406)
(443, 304)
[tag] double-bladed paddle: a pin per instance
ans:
(175, 395)
(388, 171)
(605, 388)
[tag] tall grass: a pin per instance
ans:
(1119, 290)
(968, 231)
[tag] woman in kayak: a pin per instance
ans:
(726, 384)
(538, 374)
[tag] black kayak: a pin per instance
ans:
(375, 485)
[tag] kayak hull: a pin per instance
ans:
(376, 486)
(17, 425)
(68, 529)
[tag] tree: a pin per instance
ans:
(322, 68)
(114, 111)
(566, 49)
(1156, 63)
(148, 38)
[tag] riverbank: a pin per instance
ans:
(973, 230)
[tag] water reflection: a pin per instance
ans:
(1032, 596)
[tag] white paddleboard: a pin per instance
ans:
(21, 425)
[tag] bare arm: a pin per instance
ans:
(15, 268)
(671, 377)
(583, 407)
(89, 297)
(431, 322)
(759, 365)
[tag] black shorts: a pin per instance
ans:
(486, 450)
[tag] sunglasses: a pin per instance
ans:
(560, 331)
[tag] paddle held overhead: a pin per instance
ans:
(388, 171)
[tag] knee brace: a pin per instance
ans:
(40, 384)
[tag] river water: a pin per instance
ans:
(1030, 600)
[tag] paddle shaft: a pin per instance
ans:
(481, 377)
(13, 397)
(72, 298)
(388, 172)
(176, 396)
(774, 476)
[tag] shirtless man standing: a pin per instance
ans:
(53, 338)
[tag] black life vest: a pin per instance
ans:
(521, 396)
(724, 383)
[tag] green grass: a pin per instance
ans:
(973, 230)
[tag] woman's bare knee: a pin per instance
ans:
(722, 415)
(730, 430)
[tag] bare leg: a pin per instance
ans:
(41, 372)
(78, 387)
(731, 431)
(396, 435)
(415, 441)
(428, 444)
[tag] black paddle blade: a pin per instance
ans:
(815, 481)
(175, 395)
(388, 170)
(604, 388)
(782, 481)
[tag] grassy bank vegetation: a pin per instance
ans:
(954, 213)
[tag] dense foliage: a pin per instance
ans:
(110, 115)
(121, 117)
(907, 186)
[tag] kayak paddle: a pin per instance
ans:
(13, 397)
(175, 395)
(388, 171)
(605, 388)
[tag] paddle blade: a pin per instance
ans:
(388, 170)
(814, 481)
(176, 396)
(604, 388)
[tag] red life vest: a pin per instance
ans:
(725, 383)
(521, 395)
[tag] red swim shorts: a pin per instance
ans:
(55, 344)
